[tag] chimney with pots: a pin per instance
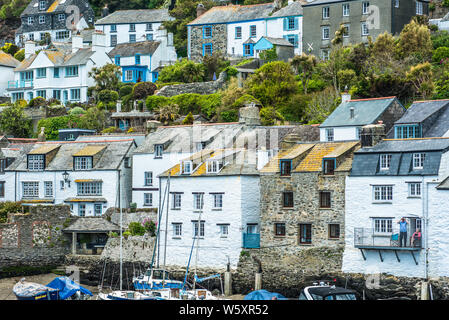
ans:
(77, 42)
(200, 9)
(345, 96)
(372, 134)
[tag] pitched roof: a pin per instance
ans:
(273, 165)
(136, 16)
(56, 6)
(92, 224)
(293, 9)
(7, 60)
(408, 145)
(421, 110)
(366, 111)
(130, 49)
(278, 41)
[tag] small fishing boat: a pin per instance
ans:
(127, 295)
(155, 279)
(264, 295)
(325, 291)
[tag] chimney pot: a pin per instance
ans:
(200, 9)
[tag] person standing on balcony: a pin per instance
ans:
(402, 231)
(416, 238)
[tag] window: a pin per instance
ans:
(89, 188)
(132, 27)
(325, 33)
(42, 5)
(365, 30)
(149, 36)
(186, 167)
(71, 71)
(2, 189)
(177, 229)
(48, 189)
(149, 27)
(41, 93)
(286, 167)
(56, 72)
(414, 189)
(207, 32)
(328, 166)
(41, 72)
(358, 132)
(30, 189)
(287, 199)
(293, 39)
(224, 230)
(365, 7)
(41, 19)
(36, 162)
(61, 35)
(248, 49)
(132, 38)
(98, 209)
(81, 210)
(238, 32)
(158, 149)
(137, 58)
(127, 162)
(305, 233)
(176, 200)
(128, 75)
(113, 40)
(57, 94)
(279, 229)
(346, 31)
(346, 10)
(290, 23)
(419, 8)
(30, 20)
(207, 49)
(61, 184)
(198, 202)
(198, 228)
(330, 134)
(326, 13)
(396, 3)
(325, 199)
(147, 199)
(31, 36)
(117, 60)
(82, 163)
(334, 231)
(418, 160)
(252, 31)
(61, 17)
(251, 228)
(148, 178)
(218, 200)
(113, 28)
(200, 146)
(213, 166)
(385, 160)
(382, 193)
(75, 94)
(325, 54)
(383, 225)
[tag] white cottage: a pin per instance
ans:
(213, 199)
(87, 175)
(7, 65)
(59, 71)
(398, 179)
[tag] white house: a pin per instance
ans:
(141, 61)
(7, 65)
(125, 26)
(59, 71)
(213, 199)
(347, 120)
(233, 30)
(392, 180)
(87, 175)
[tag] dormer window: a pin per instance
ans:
(328, 166)
(42, 5)
(82, 163)
(385, 160)
(418, 160)
(286, 167)
(36, 162)
(213, 166)
(187, 167)
(158, 149)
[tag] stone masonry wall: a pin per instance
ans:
(218, 41)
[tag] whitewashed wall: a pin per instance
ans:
(123, 32)
(340, 133)
(7, 75)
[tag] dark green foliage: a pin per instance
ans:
(20, 55)
(143, 89)
(136, 229)
(107, 96)
(153, 102)
(9, 207)
(183, 71)
(10, 48)
(188, 119)
(13, 121)
(37, 102)
(440, 54)
(125, 90)
(269, 55)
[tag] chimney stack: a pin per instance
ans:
(41, 136)
(372, 134)
(200, 9)
(77, 42)
(249, 114)
(30, 48)
(98, 41)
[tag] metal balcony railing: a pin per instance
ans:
(369, 237)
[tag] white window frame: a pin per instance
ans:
(201, 230)
(158, 150)
(382, 226)
(382, 193)
(385, 161)
(82, 163)
(186, 167)
(396, 3)
(89, 188)
(323, 33)
(325, 13)
(217, 201)
(213, 166)
(61, 17)
(30, 189)
(148, 199)
(176, 200)
(329, 134)
(128, 75)
(41, 19)
(36, 162)
(30, 20)
(418, 160)
(100, 211)
(42, 4)
(48, 189)
(198, 201)
(346, 10)
(148, 178)
(365, 7)
(224, 230)
(414, 189)
(346, 34)
(419, 8)
(365, 29)
(177, 229)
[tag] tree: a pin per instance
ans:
(214, 64)
(94, 119)
(168, 113)
(321, 105)
(304, 65)
(269, 54)
(421, 78)
(106, 77)
(20, 55)
(142, 90)
(13, 121)
(183, 71)
(188, 119)
(414, 40)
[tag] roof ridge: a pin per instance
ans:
(95, 141)
(369, 99)
(430, 100)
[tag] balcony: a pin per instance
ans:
(369, 239)
(251, 240)
(20, 84)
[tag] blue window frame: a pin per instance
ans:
(252, 31)
(285, 167)
(71, 71)
(207, 32)
(117, 60)
(291, 23)
(207, 49)
(137, 58)
(132, 38)
(238, 32)
(113, 28)
(248, 49)
(149, 36)
(407, 131)
(75, 94)
(56, 72)
(41, 73)
(293, 39)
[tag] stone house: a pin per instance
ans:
(55, 17)
(398, 178)
(128, 26)
(303, 200)
(233, 30)
(59, 71)
(7, 65)
(283, 48)
(347, 120)
(361, 19)
(86, 175)
(421, 120)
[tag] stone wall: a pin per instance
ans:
(113, 215)
(207, 87)
(35, 238)
(218, 41)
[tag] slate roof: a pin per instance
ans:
(92, 224)
(6, 60)
(130, 49)
(55, 7)
(278, 41)
(366, 111)
(367, 160)
(136, 16)
(293, 9)
(138, 138)
(444, 185)
(110, 159)
(421, 110)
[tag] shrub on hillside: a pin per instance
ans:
(143, 89)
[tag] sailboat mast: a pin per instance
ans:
(197, 245)
(121, 232)
(166, 227)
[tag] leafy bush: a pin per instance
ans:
(20, 55)
(440, 54)
(183, 71)
(10, 48)
(125, 90)
(77, 111)
(109, 130)
(188, 119)
(154, 102)
(107, 96)
(37, 102)
(150, 226)
(143, 89)
(9, 207)
(136, 229)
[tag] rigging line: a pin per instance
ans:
(188, 264)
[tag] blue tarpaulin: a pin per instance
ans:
(67, 287)
(264, 295)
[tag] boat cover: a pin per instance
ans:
(264, 295)
(29, 289)
(67, 287)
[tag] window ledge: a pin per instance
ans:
(323, 208)
(217, 209)
(176, 209)
(382, 202)
(177, 238)
(197, 211)
(414, 197)
(288, 208)
(305, 244)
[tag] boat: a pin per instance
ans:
(324, 291)
(127, 295)
(61, 288)
(264, 295)
(155, 279)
